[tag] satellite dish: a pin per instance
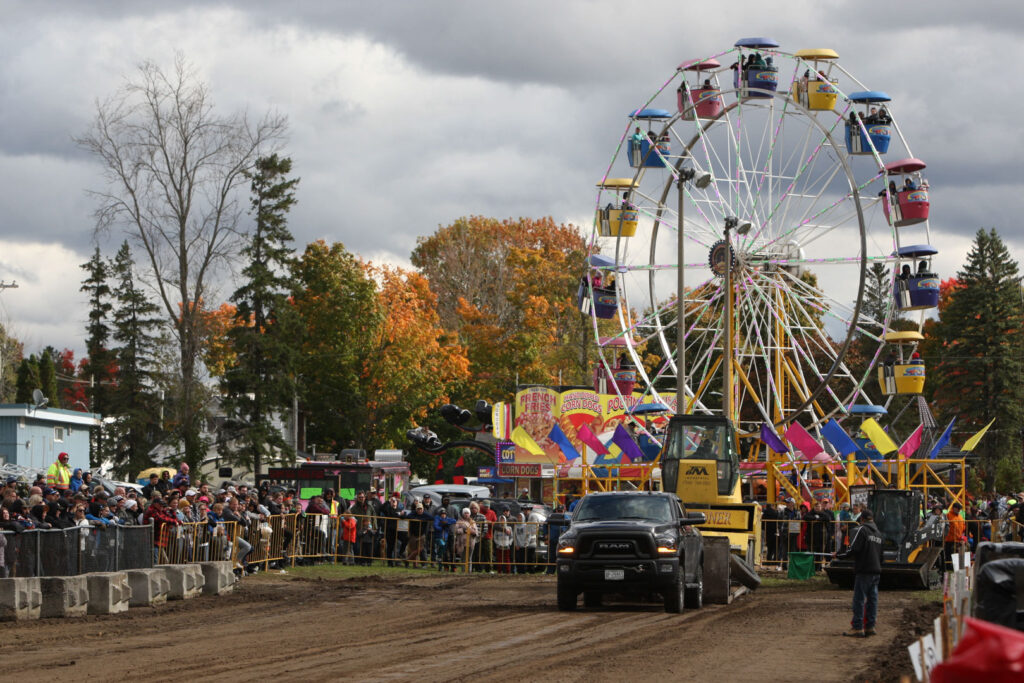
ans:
(38, 398)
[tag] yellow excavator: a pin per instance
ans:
(700, 463)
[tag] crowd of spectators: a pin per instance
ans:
(483, 535)
(371, 528)
(821, 528)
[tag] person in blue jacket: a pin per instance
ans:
(442, 550)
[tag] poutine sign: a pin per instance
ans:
(521, 469)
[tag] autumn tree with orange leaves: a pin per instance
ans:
(507, 289)
(412, 362)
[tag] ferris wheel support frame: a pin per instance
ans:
(678, 180)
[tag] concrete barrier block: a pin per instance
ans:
(149, 586)
(20, 599)
(64, 596)
(219, 577)
(109, 592)
(185, 580)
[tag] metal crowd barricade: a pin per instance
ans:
(195, 542)
(781, 537)
(77, 550)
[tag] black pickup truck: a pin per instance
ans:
(633, 543)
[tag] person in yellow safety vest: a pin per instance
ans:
(58, 476)
(332, 503)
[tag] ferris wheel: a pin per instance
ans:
(763, 184)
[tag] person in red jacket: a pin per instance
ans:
(486, 543)
(160, 518)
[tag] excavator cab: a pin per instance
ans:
(700, 463)
(908, 560)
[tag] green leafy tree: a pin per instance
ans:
(336, 302)
(259, 385)
(138, 343)
(981, 367)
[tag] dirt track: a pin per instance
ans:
(439, 628)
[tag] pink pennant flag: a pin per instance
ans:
(588, 437)
(912, 443)
(803, 441)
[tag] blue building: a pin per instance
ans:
(33, 437)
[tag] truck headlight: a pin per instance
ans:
(667, 546)
(566, 546)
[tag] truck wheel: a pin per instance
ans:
(674, 596)
(591, 599)
(566, 597)
(695, 591)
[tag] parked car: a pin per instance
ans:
(453, 491)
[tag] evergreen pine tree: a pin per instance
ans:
(48, 377)
(260, 385)
(136, 325)
(28, 379)
(981, 369)
(99, 368)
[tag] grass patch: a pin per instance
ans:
(341, 572)
(782, 583)
(929, 596)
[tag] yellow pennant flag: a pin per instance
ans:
(883, 444)
(524, 440)
(973, 441)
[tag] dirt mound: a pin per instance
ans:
(916, 620)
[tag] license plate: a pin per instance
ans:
(614, 574)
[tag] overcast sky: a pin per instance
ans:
(406, 115)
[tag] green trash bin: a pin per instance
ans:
(801, 566)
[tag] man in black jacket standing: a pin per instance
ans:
(866, 551)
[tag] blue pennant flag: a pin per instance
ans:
(943, 440)
(562, 441)
(838, 438)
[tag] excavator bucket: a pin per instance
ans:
(922, 574)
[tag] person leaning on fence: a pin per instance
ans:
(163, 524)
(348, 537)
(442, 539)
(503, 542)
(232, 512)
(466, 536)
(421, 527)
(487, 536)
(367, 528)
(866, 550)
(390, 513)
(525, 534)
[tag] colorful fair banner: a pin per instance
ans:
(539, 409)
